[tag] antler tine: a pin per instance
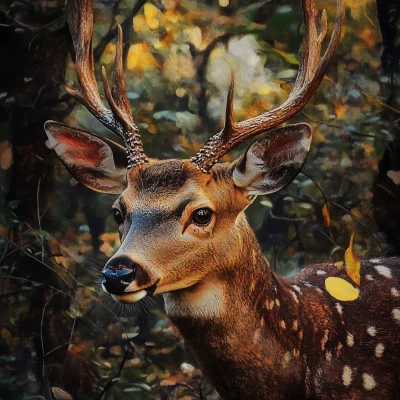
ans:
(310, 74)
(120, 106)
(80, 21)
(118, 89)
(119, 119)
(230, 125)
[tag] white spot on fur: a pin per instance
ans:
(369, 277)
(350, 339)
(384, 271)
(296, 288)
(368, 381)
(277, 302)
(321, 272)
(286, 359)
(371, 331)
(379, 349)
(295, 325)
(396, 314)
(282, 324)
(328, 356)
(269, 304)
(375, 260)
(294, 296)
(339, 308)
(347, 375)
(394, 292)
(257, 337)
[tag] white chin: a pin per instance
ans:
(130, 297)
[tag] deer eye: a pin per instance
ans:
(119, 219)
(202, 216)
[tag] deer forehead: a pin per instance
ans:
(172, 184)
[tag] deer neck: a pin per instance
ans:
(246, 320)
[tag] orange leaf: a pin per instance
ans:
(283, 85)
(60, 394)
(352, 263)
(6, 156)
(6, 335)
(326, 215)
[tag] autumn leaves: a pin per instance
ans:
(340, 288)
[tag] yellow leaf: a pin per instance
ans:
(339, 265)
(378, 103)
(352, 263)
(180, 92)
(140, 58)
(340, 108)
(283, 85)
(151, 13)
(289, 57)
(329, 80)
(341, 289)
(326, 215)
(139, 23)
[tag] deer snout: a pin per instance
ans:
(118, 274)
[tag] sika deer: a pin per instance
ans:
(184, 235)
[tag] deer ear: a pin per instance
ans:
(271, 162)
(98, 163)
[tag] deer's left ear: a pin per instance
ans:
(98, 163)
(271, 162)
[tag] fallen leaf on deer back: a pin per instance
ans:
(340, 289)
(353, 265)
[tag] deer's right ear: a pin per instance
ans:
(98, 163)
(271, 162)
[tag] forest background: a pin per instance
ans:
(60, 337)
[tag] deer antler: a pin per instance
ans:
(119, 118)
(310, 74)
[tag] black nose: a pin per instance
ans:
(118, 274)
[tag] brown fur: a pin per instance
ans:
(255, 334)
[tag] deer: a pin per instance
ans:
(184, 235)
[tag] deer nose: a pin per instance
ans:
(118, 274)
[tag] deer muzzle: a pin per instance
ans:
(118, 274)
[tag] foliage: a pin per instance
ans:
(60, 336)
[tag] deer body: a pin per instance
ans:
(184, 235)
(276, 338)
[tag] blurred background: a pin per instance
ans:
(60, 337)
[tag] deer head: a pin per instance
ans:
(180, 219)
